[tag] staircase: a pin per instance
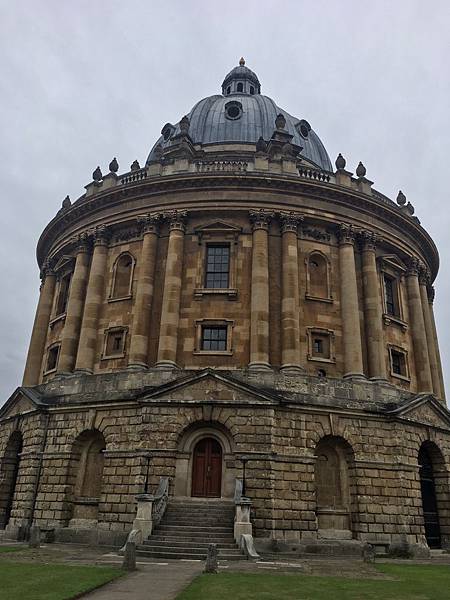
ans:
(188, 526)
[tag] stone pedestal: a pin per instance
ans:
(143, 520)
(242, 524)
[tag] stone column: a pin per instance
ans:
(418, 333)
(140, 330)
(290, 304)
(436, 343)
(40, 328)
(170, 313)
(94, 298)
(373, 314)
(259, 304)
(424, 280)
(74, 311)
(351, 330)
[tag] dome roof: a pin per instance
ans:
(243, 117)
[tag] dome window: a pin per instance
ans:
(167, 131)
(228, 90)
(303, 127)
(233, 110)
(252, 90)
(240, 87)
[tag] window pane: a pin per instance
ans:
(217, 266)
(214, 338)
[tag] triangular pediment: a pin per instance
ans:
(20, 402)
(424, 409)
(218, 227)
(392, 261)
(64, 262)
(210, 387)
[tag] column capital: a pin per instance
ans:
(431, 293)
(46, 270)
(261, 218)
(413, 265)
(149, 223)
(100, 235)
(424, 275)
(177, 219)
(346, 234)
(81, 242)
(368, 239)
(290, 221)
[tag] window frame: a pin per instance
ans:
(403, 352)
(201, 324)
(109, 332)
(311, 333)
(111, 297)
(208, 246)
(55, 346)
(390, 267)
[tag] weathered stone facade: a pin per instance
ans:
(326, 378)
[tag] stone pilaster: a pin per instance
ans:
(290, 302)
(351, 331)
(74, 312)
(36, 349)
(373, 314)
(140, 330)
(436, 342)
(94, 297)
(424, 281)
(418, 332)
(259, 305)
(170, 313)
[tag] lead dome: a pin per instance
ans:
(253, 118)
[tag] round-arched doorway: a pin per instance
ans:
(207, 469)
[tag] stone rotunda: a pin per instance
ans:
(236, 331)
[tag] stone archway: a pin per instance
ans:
(9, 471)
(205, 447)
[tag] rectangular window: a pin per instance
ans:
(398, 363)
(63, 294)
(52, 358)
(214, 338)
(321, 346)
(391, 296)
(115, 342)
(217, 266)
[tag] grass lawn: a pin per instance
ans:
(11, 549)
(412, 582)
(26, 581)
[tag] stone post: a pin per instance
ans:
(290, 303)
(129, 557)
(74, 312)
(140, 330)
(436, 343)
(351, 331)
(170, 313)
(35, 537)
(373, 314)
(424, 280)
(40, 328)
(259, 304)
(416, 320)
(212, 559)
(94, 298)
(143, 521)
(242, 524)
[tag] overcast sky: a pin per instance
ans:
(82, 82)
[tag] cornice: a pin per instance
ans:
(258, 181)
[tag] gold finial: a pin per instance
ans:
(242, 62)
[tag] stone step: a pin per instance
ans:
(175, 553)
(208, 538)
(193, 528)
(199, 523)
(197, 544)
(199, 514)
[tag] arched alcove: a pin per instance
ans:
(9, 471)
(318, 276)
(122, 276)
(86, 475)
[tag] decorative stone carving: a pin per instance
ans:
(431, 293)
(177, 219)
(149, 223)
(316, 234)
(401, 198)
(340, 162)
(66, 203)
(97, 175)
(261, 145)
(261, 218)
(135, 166)
(290, 221)
(113, 165)
(413, 266)
(280, 121)
(346, 234)
(101, 235)
(361, 170)
(184, 125)
(369, 240)
(81, 242)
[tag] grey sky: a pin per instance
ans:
(81, 82)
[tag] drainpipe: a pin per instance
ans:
(39, 470)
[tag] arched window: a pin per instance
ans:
(240, 87)
(333, 471)
(87, 474)
(9, 471)
(123, 276)
(317, 277)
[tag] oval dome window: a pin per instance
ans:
(233, 110)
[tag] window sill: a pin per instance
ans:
(401, 377)
(49, 372)
(120, 299)
(230, 292)
(113, 356)
(321, 359)
(61, 317)
(214, 352)
(317, 299)
(392, 320)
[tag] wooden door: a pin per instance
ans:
(207, 469)
(429, 501)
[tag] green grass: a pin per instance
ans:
(11, 549)
(412, 582)
(26, 581)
